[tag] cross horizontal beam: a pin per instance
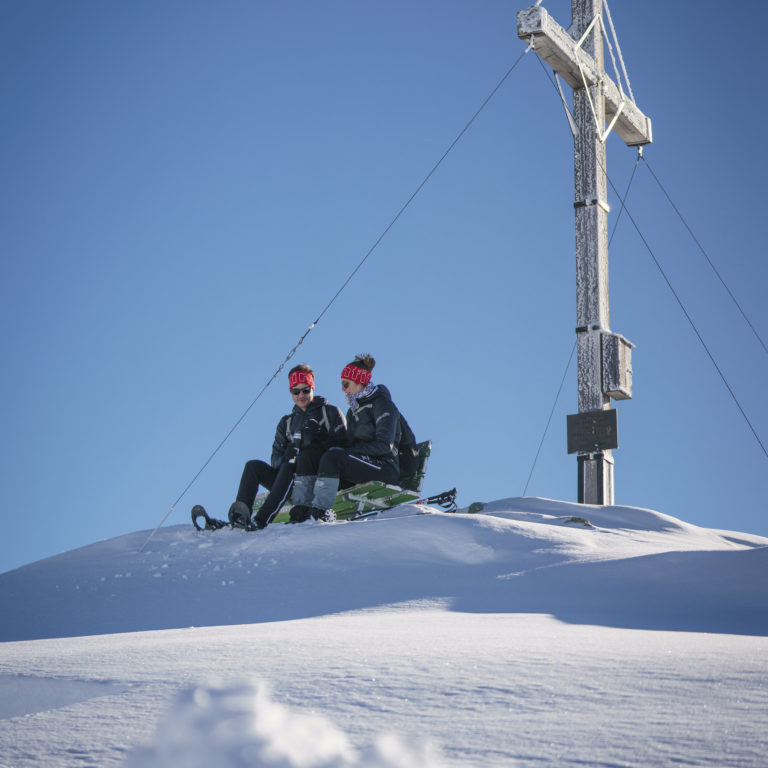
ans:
(558, 49)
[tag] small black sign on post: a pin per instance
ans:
(593, 431)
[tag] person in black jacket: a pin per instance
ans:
(371, 453)
(301, 438)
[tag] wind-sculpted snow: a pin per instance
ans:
(617, 566)
(27, 694)
(526, 635)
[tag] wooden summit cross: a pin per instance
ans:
(604, 358)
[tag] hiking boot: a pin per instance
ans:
(324, 515)
(240, 516)
(299, 513)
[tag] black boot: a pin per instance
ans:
(299, 513)
(240, 516)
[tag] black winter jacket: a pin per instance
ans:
(299, 429)
(374, 428)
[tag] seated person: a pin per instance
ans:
(302, 436)
(374, 434)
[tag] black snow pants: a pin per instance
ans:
(278, 481)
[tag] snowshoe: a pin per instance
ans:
(210, 524)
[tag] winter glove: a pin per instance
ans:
(290, 453)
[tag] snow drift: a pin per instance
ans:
(532, 633)
(615, 566)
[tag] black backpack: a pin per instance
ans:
(408, 454)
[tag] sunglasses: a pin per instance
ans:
(345, 384)
(301, 391)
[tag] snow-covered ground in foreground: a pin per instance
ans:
(518, 637)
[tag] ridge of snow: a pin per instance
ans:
(614, 570)
(535, 632)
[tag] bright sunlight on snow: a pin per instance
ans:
(532, 633)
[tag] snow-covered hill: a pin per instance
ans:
(534, 633)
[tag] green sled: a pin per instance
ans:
(369, 497)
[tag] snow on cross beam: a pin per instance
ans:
(575, 65)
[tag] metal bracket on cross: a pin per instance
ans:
(620, 107)
(579, 69)
(624, 100)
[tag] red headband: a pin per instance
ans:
(301, 377)
(353, 373)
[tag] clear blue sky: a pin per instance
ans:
(186, 185)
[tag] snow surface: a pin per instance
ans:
(520, 636)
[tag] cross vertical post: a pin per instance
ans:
(604, 358)
(595, 469)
